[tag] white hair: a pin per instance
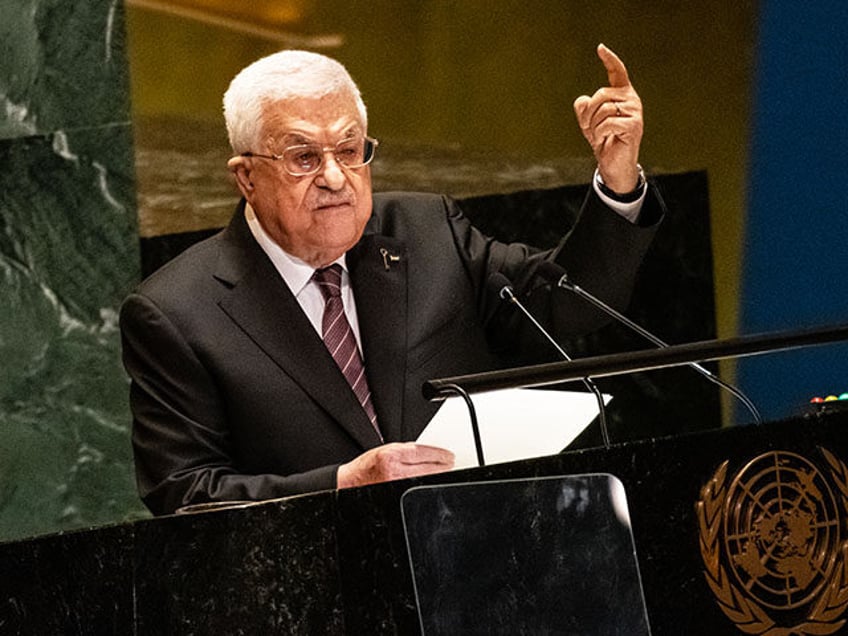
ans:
(282, 76)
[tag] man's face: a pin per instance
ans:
(318, 217)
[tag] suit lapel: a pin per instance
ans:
(262, 305)
(378, 270)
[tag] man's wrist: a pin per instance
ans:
(627, 197)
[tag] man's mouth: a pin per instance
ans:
(323, 205)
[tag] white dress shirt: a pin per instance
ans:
(298, 276)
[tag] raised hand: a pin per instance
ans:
(611, 121)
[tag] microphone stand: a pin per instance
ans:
(472, 413)
(565, 283)
(507, 294)
(629, 362)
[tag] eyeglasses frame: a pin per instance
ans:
(324, 150)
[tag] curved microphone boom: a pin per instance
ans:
(503, 287)
(553, 272)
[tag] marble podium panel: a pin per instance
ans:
(68, 255)
(64, 66)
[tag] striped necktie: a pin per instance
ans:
(339, 339)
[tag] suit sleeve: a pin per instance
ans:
(602, 253)
(182, 447)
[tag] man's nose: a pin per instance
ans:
(331, 175)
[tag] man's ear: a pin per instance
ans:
(242, 167)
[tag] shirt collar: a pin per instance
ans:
(295, 272)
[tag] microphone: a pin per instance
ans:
(553, 272)
(503, 287)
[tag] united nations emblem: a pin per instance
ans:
(773, 541)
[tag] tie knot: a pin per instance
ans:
(329, 280)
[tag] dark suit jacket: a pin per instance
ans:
(235, 397)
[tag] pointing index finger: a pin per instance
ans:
(616, 71)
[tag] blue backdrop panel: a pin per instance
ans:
(796, 250)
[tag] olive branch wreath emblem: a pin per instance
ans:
(824, 615)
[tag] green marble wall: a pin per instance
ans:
(68, 255)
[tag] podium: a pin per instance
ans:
(734, 530)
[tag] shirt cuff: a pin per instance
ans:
(628, 209)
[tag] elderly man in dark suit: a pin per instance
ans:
(286, 354)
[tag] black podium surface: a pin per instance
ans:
(524, 556)
(735, 530)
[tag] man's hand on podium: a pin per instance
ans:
(394, 461)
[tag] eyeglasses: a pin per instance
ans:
(304, 160)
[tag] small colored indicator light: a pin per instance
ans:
(831, 398)
(844, 396)
(817, 400)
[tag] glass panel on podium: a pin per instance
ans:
(552, 555)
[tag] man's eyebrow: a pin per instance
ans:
(297, 139)
(351, 132)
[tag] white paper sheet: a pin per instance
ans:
(514, 424)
